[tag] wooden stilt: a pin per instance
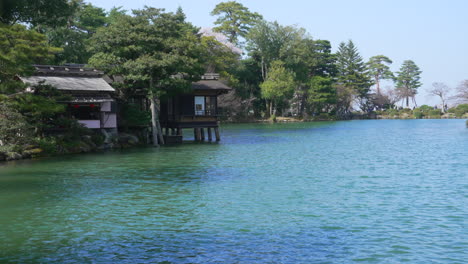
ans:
(167, 131)
(218, 138)
(179, 131)
(198, 132)
(173, 131)
(210, 137)
(195, 134)
(202, 133)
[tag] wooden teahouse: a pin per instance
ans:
(197, 109)
(91, 103)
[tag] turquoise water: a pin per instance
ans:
(381, 191)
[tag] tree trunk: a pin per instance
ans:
(407, 101)
(271, 108)
(377, 83)
(414, 101)
(443, 104)
(156, 127)
(154, 121)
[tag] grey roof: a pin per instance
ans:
(71, 83)
(67, 70)
(210, 85)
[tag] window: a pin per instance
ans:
(85, 112)
(210, 105)
(199, 105)
(205, 105)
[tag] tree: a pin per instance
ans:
(315, 64)
(462, 91)
(269, 41)
(278, 85)
(353, 75)
(235, 20)
(152, 49)
(441, 90)
(14, 128)
(322, 94)
(407, 81)
(34, 12)
(74, 37)
(378, 68)
(19, 49)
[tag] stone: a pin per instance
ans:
(13, 156)
(128, 139)
(32, 152)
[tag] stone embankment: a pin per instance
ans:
(85, 145)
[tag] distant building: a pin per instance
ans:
(91, 104)
(197, 109)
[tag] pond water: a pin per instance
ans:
(377, 191)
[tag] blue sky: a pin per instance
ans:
(432, 33)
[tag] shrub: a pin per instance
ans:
(273, 118)
(417, 113)
(459, 110)
(434, 113)
(49, 145)
(133, 116)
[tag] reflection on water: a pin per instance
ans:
(372, 191)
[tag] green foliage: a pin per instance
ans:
(218, 57)
(407, 80)
(34, 12)
(435, 113)
(48, 144)
(133, 116)
(269, 41)
(150, 48)
(73, 38)
(352, 75)
(279, 84)
(14, 128)
(19, 49)
(417, 113)
(379, 69)
(322, 94)
(234, 20)
(460, 110)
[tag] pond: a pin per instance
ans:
(379, 191)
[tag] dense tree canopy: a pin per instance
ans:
(153, 50)
(234, 20)
(34, 12)
(19, 49)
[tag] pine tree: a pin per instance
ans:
(353, 74)
(407, 81)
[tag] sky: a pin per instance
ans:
(432, 33)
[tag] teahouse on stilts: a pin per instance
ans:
(197, 109)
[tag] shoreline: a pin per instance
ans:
(129, 141)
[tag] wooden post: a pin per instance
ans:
(210, 137)
(173, 131)
(167, 131)
(198, 134)
(195, 134)
(202, 133)
(218, 138)
(179, 131)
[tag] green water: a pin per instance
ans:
(330, 192)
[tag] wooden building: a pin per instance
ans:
(197, 109)
(91, 96)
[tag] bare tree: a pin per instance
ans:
(462, 92)
(391, 96)
(441, 90)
